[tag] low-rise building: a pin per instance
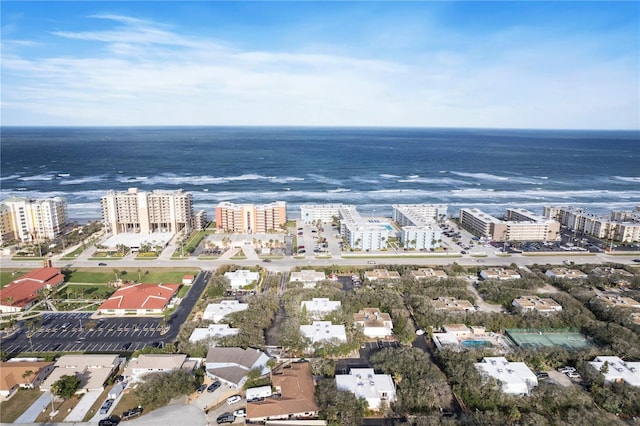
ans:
(231, 365)
(214, 332)
(26, 374)
(535, 303)
(515, 377)
(217, 311)
(22, 293)
(307, 277)
(320, 332)
(376, 389)
(157, 363)
(381, 274)
(241, 278)
(452, 304)
(92, 370)
(429, 274)
(500, 274)
(375, 324)
(619, 301)
(297, 396)
(139, 299)
(188, 279)
(615, 369)
(318, 307)
(565, 273)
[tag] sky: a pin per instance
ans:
(498, 64)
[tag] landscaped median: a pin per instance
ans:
(403, 255)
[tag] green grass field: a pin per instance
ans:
(145, 275)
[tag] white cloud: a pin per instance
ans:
(143, 73)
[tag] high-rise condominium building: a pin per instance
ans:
(27, 219)
(147, 212)
(251, 218)
(621, 226)
(521, 225)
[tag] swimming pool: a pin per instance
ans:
(388, 227)
(475, 344)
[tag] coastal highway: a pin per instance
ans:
(278, 265)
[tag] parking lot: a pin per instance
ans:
(78, 332)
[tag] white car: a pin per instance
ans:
(240, 413)
(233, 399)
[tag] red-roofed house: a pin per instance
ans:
(188, 279)
(22, 293)
(139, 299)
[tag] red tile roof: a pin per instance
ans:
(141, 296)
(25, 289)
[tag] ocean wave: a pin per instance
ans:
(9, 177)
(388, 176)
(481, 176)
(325, 179)
(37, 177)
(339, 190)
(633, 179)
(80, 181)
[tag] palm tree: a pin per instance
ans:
(9, 300)
(27, 374)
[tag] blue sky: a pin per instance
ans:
(567, 65)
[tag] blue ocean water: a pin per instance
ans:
(372, 168)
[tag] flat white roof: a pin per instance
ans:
(132, 239)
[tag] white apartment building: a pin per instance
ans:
(147, 212)
(363, 233)
(311, 213)
(27, 219)
(309, 278)
(251, 218)
(318, 307)
(374, 324)
(419, 224)
(535, 303)
(365, 383)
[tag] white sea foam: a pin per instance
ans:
(388, 176)
(37, 177)
(633, 179)
(481, 176)
(9, 177)
(339, 190)
(80, 181)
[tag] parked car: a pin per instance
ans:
(573, 375)
(266, 260)
(213, 386)
(102, 264)
(134, 412)
(242, 412)
(542, 375)
(202, 388)
(233, 399)
(109, 421)
(225, 418)
(105, 406)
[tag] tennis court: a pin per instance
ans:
(535, 338)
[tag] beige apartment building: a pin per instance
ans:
(27, 219)
(521, 225)
(251, 218)
(147, 212)
(621, 226)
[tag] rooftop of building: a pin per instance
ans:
(140, 296)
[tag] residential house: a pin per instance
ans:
(429, 273)
(565, 273)
(500, 274)
(375, 324)
(214, 331)
(535, 303)
(307, 277)
(217, 311)
(321, 332)
(619, 301)
(514, 377)
(452, 304)
(318, 307)
(381, 274)
(615, 369)
(26, 374)
(241, 278)
(231, 365)
(376, 389)
(297, 396)
(92, 370)
(157, 363)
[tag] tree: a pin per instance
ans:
(27, 374)
(66, 386)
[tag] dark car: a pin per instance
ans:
(213, 386)
(202, 388)
(109, 421)
(102, 264)
(105, 406)
(134, 412)
(226, 418)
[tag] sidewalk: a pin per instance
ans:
(31, 413)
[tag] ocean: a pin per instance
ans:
(371, 168)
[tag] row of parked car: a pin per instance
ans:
(569, 372)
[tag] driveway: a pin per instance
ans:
(83, 406)
(42, 403)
